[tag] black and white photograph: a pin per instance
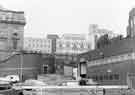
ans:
(67, 47)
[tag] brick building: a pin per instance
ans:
(47, 64)
(114, 63)
(111, 64)
(26, 65)
(95, 32)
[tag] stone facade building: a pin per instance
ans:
(11, 29)
(12, 61)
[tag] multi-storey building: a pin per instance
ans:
(49, 63)
(67, 48)
(11, 39)
(53, 37)
(72, 44)
(131, 21)
(39, 45)
(11, 29)
(79, 43)
(95, 33)
(114, 63)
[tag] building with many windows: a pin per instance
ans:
(38, 45)
(95, 33)
(79, 43)
(11, 29)
(12, 61)
(53, 38)
(72, 44)
(114, 63)
(67, 48)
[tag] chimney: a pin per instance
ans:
(131, 26)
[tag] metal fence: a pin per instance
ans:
(77, 90)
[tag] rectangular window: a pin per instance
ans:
(106, 77)
(96, 78)
(100, 77)
(116, 76)
(14, 43)
(111, 77)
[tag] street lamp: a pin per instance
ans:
(21, 65)
(15, 42)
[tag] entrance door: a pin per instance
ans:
(45, 69)
(83, 69)
(131, 80)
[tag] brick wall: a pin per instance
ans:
(121, 68)
(30, 66)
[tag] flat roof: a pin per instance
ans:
(117, 47)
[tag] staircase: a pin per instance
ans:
(7, 56)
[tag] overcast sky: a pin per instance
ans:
(71, 16)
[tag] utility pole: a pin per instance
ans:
(21, 66)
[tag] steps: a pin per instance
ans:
(53, 79)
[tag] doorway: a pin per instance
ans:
(131, 80)
(45, 69)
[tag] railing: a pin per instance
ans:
(8, 57)
(72, 90)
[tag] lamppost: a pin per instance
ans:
(21, 65)
(20, 52)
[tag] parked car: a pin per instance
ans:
(69, 83)
(6, 88)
